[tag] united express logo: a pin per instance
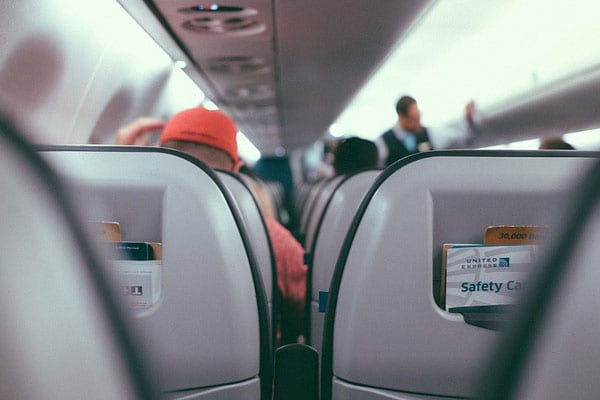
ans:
(486, 262)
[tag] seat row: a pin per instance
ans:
(386, 332)
(209, 334)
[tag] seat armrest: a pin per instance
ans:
(296, 373)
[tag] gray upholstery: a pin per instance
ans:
(308, 204)
(61, 337)
(300, 195)
(317, 210)
(257, 233)
(553, 351)
(569, 337)
(388, 337)
(203, 335)
(334, 226)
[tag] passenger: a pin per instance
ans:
(354, 154)
(555, 143)
(210, 136)
(262, 196)
(408, 136)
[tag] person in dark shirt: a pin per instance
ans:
(409, 136)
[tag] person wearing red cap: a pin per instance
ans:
(210, 136)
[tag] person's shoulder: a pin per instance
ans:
(282, 239)
(384, 138)
(277, 230)
(386, 133)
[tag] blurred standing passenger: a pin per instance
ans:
(408, 136)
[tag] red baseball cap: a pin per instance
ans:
(200, 125)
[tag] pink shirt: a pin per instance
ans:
(289, 258)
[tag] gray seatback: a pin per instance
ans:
(334, 224)
(384, 333)
(61, 337)
(317, 210)
(257, 234)
(207, 335)
(552, 352)
(308, 204)
(299, 196)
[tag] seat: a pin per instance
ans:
(386, 335)
(207, 335)
(317, 209)
(269, 194)
(307, 206)
(276, 191)
(330, 232)
(258, 236)
(62, 334)
(552, 351)
(299, 196)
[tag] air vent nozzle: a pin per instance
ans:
(253, 111)
(236, 65)
(261, 91)
(223, 20)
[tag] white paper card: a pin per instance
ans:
(487, 275)
(140, 282)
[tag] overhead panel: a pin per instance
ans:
(284, 69)
(232, 44)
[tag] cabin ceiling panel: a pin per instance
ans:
(306, 59)
(234, 52)
(326, 51)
